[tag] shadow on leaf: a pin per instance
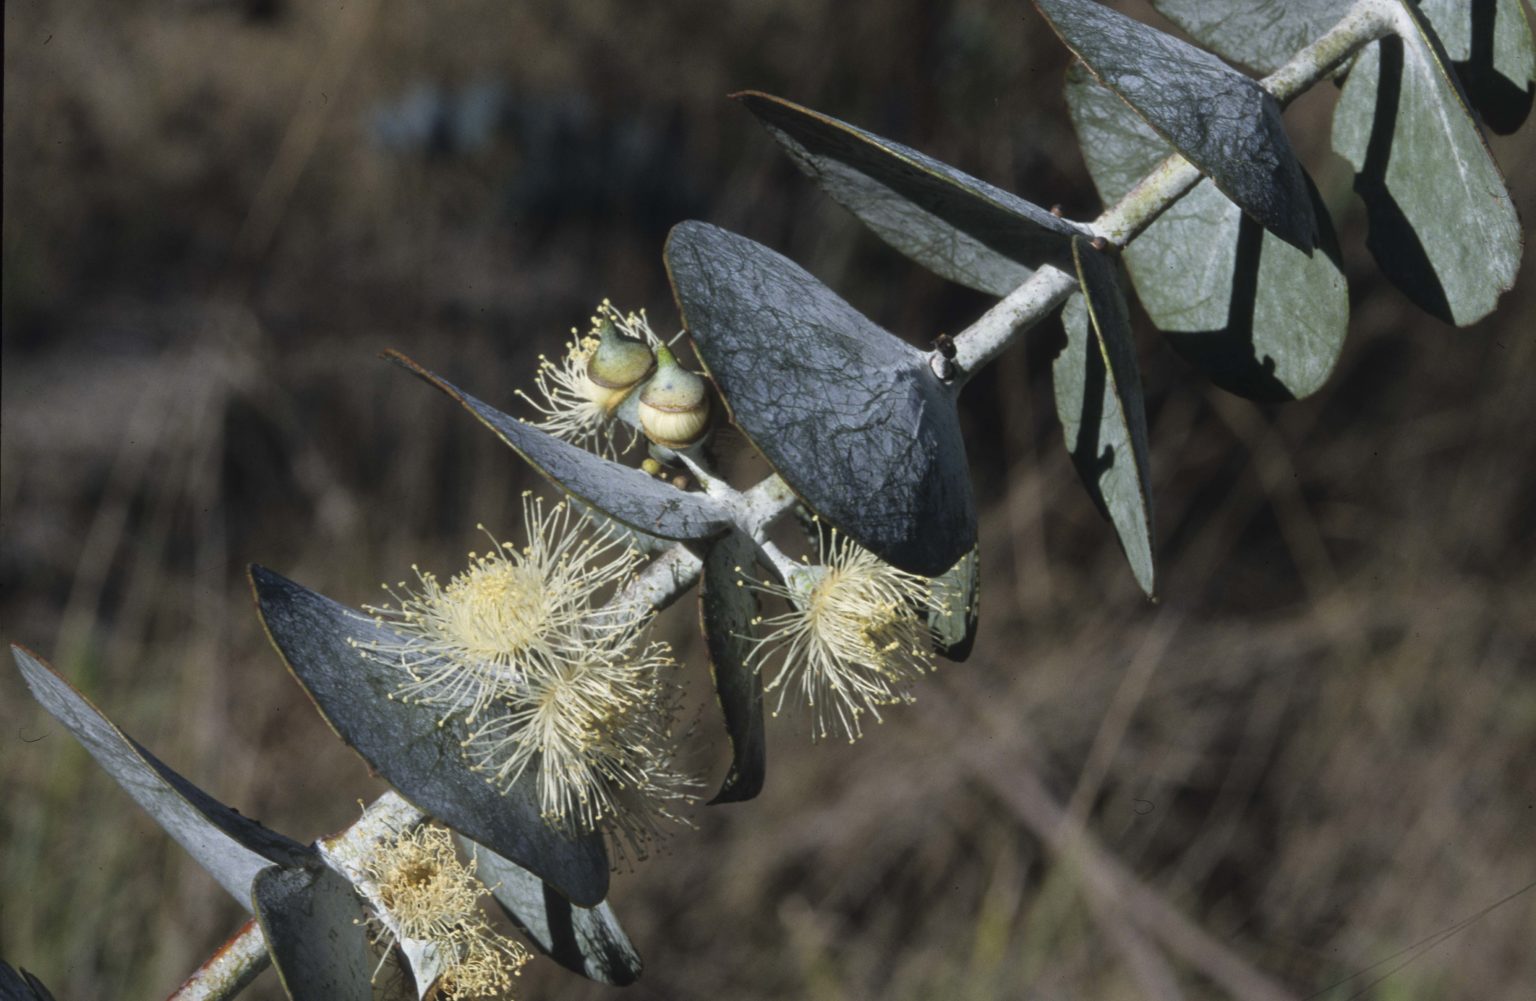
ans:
(1502, 102)
(1392, 240)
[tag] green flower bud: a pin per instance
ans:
(674, 405)
(618, 364)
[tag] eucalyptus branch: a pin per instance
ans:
(678, 567)
(1169, 181)
(785, 567)
(670, 576)
(239, 960)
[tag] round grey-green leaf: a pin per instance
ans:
(1442, 225)
(852, 418)
(1491, 50)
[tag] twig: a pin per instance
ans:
(229, 970)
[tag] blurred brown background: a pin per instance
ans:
(1321, 745)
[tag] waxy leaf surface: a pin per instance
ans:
(726, 611)
(1442, 225)
(585, 940)
(1221, 121)
(851, 417)
(312, 920)
(623, 493)
(231, 847)
(953, 224)
(1256, 315)
(1099, 401)
(957, 601)
(405, 744)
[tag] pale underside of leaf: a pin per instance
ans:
(1492, 53)
(1103, 417)
(953, 616)
(1442, 225)
(1262, 34)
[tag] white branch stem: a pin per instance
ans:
(786, 568)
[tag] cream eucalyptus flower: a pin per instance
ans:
(463, 645)
(855, 638)
(427, 894)
(597, 730)
(546, 682)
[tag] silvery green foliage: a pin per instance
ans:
(1098, 398)
(309, 912)
(1443, 227)
(856, 420)
(1222, 121)
(1242, 276)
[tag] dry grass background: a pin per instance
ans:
(1321, 745)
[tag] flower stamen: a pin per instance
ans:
(855, 638)
(426, 894)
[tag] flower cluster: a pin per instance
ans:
(545, 681)
(855, 638)
(428, 895)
